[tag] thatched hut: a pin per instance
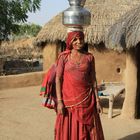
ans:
(15, 54)
(105, 13)
(124, 35)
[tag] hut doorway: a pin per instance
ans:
(138, 81)
(63, 46)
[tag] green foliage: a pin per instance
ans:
(13, 12)
(27, 30)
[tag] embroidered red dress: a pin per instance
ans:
(81, 120)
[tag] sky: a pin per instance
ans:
(48, 9)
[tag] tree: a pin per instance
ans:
(13, 12)
(27, 30)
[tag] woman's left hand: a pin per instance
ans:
(99, 108)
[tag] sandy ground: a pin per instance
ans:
(23, 118)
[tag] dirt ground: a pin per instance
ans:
(23, 118)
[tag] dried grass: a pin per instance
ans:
(125, 33)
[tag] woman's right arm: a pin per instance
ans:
(58, 88)
(60, 105)
(59, 76)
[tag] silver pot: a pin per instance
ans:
(77, 2)
(76, 15)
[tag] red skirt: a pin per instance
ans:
(73, 125)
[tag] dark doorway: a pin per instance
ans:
(138, 81)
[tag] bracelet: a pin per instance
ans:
(59, 99)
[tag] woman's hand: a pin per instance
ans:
(60, 108)
(99, 107)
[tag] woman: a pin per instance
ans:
(77, 102)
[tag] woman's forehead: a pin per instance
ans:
(78, 37)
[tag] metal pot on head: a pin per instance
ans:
(76, 15)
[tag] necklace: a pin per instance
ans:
(77, 57)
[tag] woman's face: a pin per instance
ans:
(78, 43)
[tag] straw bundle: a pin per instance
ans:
(125, 33)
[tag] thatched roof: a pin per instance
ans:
(105, 14)
(19, 49)
(125, 33)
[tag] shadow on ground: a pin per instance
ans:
(135, 136)
(117, 106)
(118, 103)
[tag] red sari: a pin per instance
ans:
(81, 120)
